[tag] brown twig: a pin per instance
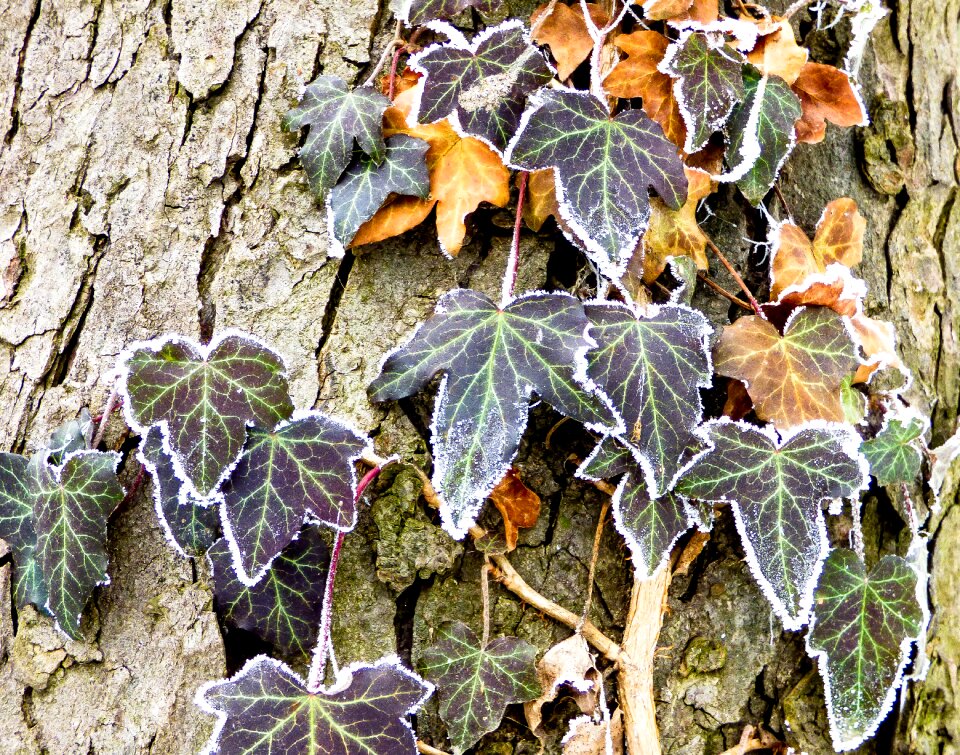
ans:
(736, 276)
(385, 55)
(598, 534)
(513, 262)
(783, 200)
(722, 291)
(485, 596)
(105, 418)
(425, 749)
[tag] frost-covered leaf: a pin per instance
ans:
(761, 133)
(777, 488)
(203, 398)
(639, 76)
(492, 359)
(267, 708)
(795, 377)
(75, 435)
(894, 455)
(565, 32)
(709, 83)
(190, 527)
(862, 627)
(650, 526)
(475, 684)
(17, 498)
(336, 114)
(652, 368)
(826, 94)
(778, 54)
(420, 12)
(463, 173)
(480, 86)
(604, 168)
(366, 185)
(609, 459)
(285, 607)
(303, 469)
(72, 505)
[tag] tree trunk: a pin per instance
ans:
(146, 187)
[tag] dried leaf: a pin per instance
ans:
(638, 76)
(519, 506)
(778, 54)
(878, 341)
(567, 664)
(589, 737)
(565, 32)
(826, 94)
(660, 10)
(541, 199)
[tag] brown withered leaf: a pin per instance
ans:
(826, 94)
(791, 378)
(778, 54)
(738, 403)
(588, 737)
(463, 173)
(660, 10)
(567, 664)
(519, 506)
(704, 11)
(838, 239)
(878, 341)
(637, 76)
(541, 199)
(564, 31)
(675, 233)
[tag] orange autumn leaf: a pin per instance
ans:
(778, 54)
(637, 76)
(519, 506)
(838, 239)
(564, 31)
(738, 404)
(878, 342)
(793, 378)
(676, 232)
(463, 173)
(826, 94)
(704, 11)
(541, 199)
(660, 10)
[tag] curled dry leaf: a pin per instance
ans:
(463, 173)
(589, 737)
(637, 76)
(826, 94)
(564, 31)
(519, 506)
(541, 199)
(660, 10)
(567, 664)
(778, 54)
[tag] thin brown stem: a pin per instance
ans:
(513, 262)
(105, 418)
(736, 276)
(783, 199)
(485, 596)
(425, 749)
(385, 55)
(593, 561)
(723, 292)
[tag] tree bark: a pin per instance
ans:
(146, 187)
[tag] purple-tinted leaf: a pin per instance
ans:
(71, 507)
(862, 627)
(609, 459)
(420, 12)
(203, 398)
(492, 360)
(777, 487)
(603, 168)
(266, 708)
(189, 526)
(284, 608)
(709, 83)
(481, 86)
(475, 684)
(300, 470)
(75, 435)
(336, 114)
(17, 499)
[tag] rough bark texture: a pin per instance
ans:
(146, 187)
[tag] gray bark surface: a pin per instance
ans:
(146, 187)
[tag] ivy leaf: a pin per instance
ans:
(285, 607)
(266, 707)
(336, 114)
(16, 528)
(300, 470)
(603, 168)
(188, 526)
(518, 506)
(776, 487)
(203, 398)
(608, 459)
(658, 10)
(366, 185)
(778, 54)
(652, 367)
(474, 683)
(893, 454)
(826, 94)
(420, 12)
(71, 508)
(791, 378)
(480, 86)
(565, 32)
(861, 631)
(492, 359)
(709, 83)
(75, 435)
(761, 133)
